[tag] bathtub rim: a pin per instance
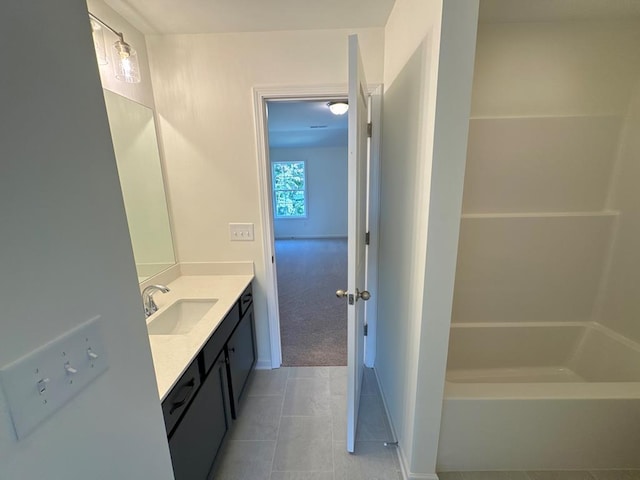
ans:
(544, 390)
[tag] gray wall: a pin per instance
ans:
(326, 193)
(66, 255)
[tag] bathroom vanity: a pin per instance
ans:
(202, 336)
(203, 366)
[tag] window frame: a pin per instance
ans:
(304, 190)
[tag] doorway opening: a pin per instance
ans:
(270, 95)
(307, 152)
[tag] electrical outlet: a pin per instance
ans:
(241, 232)
(41, 382)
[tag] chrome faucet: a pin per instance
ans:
(150, 306)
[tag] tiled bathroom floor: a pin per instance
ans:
(292, 426)
(546, 475)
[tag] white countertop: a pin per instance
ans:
(172, 354)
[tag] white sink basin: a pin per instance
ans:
(180, 317)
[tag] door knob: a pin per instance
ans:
(364, 295)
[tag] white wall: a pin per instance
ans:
(429, 49)
(203, 92)
(547, 111)
(326, 193)
(66, 255)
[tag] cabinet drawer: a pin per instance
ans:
(216, 343)
(246, 300)
(178, 399)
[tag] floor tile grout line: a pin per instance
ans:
(250, 394)
(249, 441)
(301, 471)
(273, 458)
(306, 416)
(333, 446)
(330, 473)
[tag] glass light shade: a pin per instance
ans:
(126, 65)
(98, 43)
(338, 108)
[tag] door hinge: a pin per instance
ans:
(366, 330)
(367, 238)
(369, 130)
(273, 260)
(352, 299)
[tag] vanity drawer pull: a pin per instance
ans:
(187, 389)
(246, 300)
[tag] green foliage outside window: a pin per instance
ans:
(289, 189)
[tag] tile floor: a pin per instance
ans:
(546, 475)
(292, 426)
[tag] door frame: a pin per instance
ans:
(310, 92)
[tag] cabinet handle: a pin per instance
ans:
(187, 393)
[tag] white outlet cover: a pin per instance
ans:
(51, 368)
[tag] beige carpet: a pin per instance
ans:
(313, 322)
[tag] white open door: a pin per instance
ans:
(357, 197)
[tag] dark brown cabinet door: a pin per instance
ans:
(242, 357)
(199, 435)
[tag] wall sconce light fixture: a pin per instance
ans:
(338, 108)
(126, 67)
(98, 42)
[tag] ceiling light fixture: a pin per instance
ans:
(126, 67)
(338, 108)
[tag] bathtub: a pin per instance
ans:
(540, 396)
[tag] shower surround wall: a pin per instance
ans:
(549, 235)
(619, 308)
(539, 214)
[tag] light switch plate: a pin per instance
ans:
(241, 232)
(42, 381)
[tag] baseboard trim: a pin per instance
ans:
(402, 459)
(399, 451)
(263, 365)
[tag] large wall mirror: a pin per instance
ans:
(136, 147)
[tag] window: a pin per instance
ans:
(289, 189)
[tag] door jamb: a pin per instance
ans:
(260, 97)
(373, 223)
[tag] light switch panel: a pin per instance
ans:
(241, 232)
(42, 381)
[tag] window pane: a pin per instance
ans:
(290, 204)
(289, 189)
(288, 176)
